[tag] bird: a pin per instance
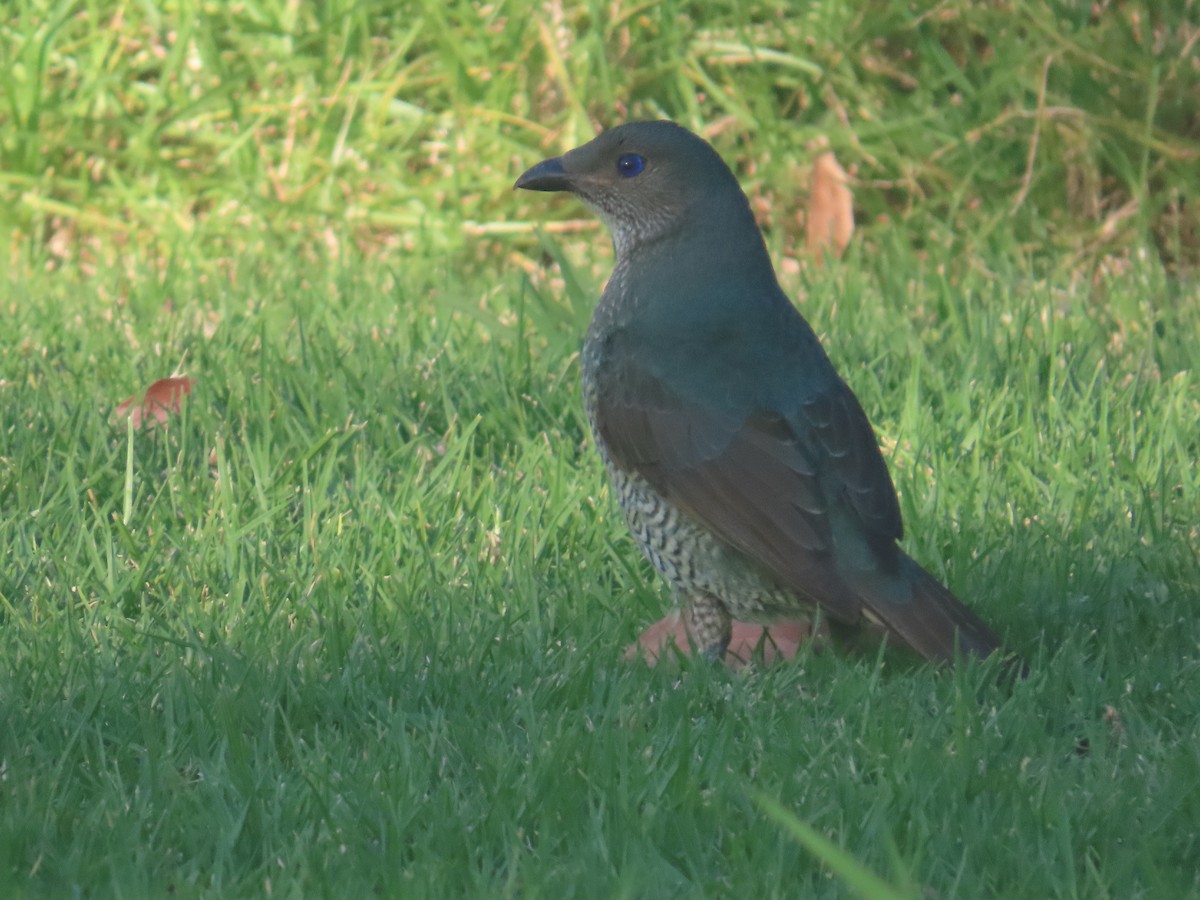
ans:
(745, 467)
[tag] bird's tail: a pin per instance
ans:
(933, 621)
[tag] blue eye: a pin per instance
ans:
(630, 165)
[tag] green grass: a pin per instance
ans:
(360, 631)
(186, 128)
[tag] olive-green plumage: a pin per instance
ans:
(744, 465)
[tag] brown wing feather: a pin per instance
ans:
(808, 497)
(752, 483)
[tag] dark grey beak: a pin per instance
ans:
(547, 175)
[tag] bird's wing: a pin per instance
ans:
(781, 489)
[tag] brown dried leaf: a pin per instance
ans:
(163, 399)
(829, 224)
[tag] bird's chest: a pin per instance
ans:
(687, 555)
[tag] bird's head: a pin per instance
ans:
(644, 179)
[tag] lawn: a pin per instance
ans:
(351, 622)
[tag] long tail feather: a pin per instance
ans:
(934, 622)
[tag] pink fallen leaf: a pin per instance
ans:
(162, 400)
(782, 641)
(829, 223)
